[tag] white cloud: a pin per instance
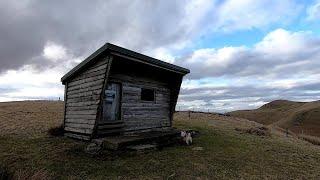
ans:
(283, 65)
(163, 54)
(313, 12)
(54, 52)
(162, 29)
(285, 43)
(247, 14)
(29, 83)
(278, 53)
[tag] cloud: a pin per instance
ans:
(81, 29)
(42, 40)
(54, 52)
(248, 14)
(279, 54)
(28, 83)
(283, 65)
(143, 27)
(313, 11)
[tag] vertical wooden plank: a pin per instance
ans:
(99, 110)
(65, 104)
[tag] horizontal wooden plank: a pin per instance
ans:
(85, 90)
(83, 99)
(110, 122)
(77, 136)
(86, 80)
(81, 121)
(86, 85)
(84, 94)
(138, 80)
(82, 112)
(110, 126)
(75, 116)
(74, 125)
(82, 108)
(98, 63)
(79, 130)
(88, 103)
(98, 68)
(146, 108)
(143, 104)
(109, 131)
(89, 75)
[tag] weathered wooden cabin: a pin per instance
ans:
(116, 90)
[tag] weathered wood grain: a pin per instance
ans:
(79, 125)
(79, 130)
(81, 112)
(86, 80)
(81, 121)
(138, 114)
(77, 136)
(86, 85)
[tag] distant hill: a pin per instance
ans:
(299, 117)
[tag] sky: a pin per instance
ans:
(241, 53)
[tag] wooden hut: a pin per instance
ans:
(116, 90)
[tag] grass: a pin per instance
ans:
(312, 139)
(226, 154)
(298, 117)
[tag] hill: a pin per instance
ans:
(225, 149)
(21, 118)
(298, 117)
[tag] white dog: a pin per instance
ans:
(189, 139)
(186, 137)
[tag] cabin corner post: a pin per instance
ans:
(109, 59)
(65, 104)
(174, 98)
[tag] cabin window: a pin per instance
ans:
(147, 94)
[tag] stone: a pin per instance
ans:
(197, 148)
(93, 148)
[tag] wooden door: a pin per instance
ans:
(111, 102)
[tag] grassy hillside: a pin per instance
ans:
(226, 153)
(29, 118)
(299, 117)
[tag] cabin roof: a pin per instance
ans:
(127, 54)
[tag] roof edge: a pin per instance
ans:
(114, 48)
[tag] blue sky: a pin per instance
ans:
(241, 53)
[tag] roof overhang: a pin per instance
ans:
(127, 54)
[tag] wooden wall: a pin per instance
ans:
(138, 114)
(82, 99)
(83, 94)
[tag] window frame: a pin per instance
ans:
(154, 95)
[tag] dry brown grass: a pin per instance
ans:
(215, 120)
(29, 117)
(312, 139)
(225, 154)
(297, 117)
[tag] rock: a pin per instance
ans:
(93, 148)
(197, 148)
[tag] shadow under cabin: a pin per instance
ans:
(117, 91)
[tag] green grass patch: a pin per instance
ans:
(226, 154)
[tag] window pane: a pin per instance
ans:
(147, 94)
